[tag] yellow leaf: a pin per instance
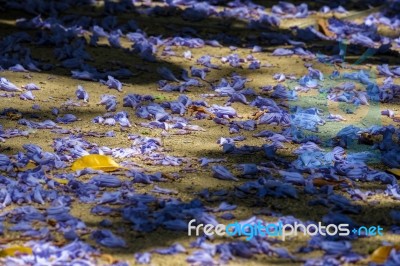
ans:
(324, 27)
(12, 251)
(29, 166)
(394, 171)
(60, 180)
(96, 162)
(381, 254)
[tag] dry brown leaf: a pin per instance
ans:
(324, 28)
(108, 258)
(319, 182)
(394, 171)
(381, 254)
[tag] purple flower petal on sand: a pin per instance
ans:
(47, 124)
(213, 43)
(205, 161)
(359, 38)
(224, 206)
(167, 74)
(237, 97)
(134, 100)
(27, 96)
(255, 64)
(81, 94)
(338, 218)
(227, 216)
(198, 72)
(139, 177)
(99, 31)
(335, 118)
(83, 75)
(393, 190)
(17, 68)
(222, 173)
(388, 113)
(108, 239)
(201, 257)
(31, 87)
(157, 189)
(205, 60)
(37, 196)
(143, 258)
(106, 181)
(275, 119)
(396, 70)
(6, 85)
(336, 247)
(175, 225)
(7, 199)
(122, 119)
(322, 261)
(110, 197)
(241, 249)
(248, 169)
(282, 52)
(110, 101)
(224, 111)
(102, 210)
(67, 118)
(292, 177)
(256, 49)
(112, 83)
(282, 253)
(187, 54)
(21, 226)
(279, 77)
(71, 235)
(174, 249)
(5, 163)
(315, 73)
(114, 41)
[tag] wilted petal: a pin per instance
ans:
(106, 181)
(157, 189)
(166, 73)
(143, 258)
(221, 172)
(201, 257)
(31, 87)
(6, 85)
(112, 83)
(282, 52)
(67, 118)
(17, 68)
(336, 247)
(174, 249)
(108, 239)
(82, 94)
